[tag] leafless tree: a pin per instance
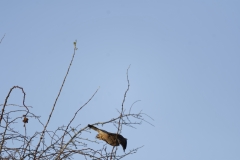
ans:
(65, 141)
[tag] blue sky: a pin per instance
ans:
(185, 63)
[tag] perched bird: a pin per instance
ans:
(111, 138)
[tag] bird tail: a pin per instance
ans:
(92, 127)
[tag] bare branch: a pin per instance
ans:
(50, 115)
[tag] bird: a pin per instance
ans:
(112, 139)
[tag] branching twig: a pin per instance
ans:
(71, 122)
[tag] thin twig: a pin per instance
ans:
(2, 38)
(121, 114)
(45, 127)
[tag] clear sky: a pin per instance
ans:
(185, 67)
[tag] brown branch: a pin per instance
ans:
(3, 110)
(6, 99)
(124, 98)
(45, 127)
(121, 114)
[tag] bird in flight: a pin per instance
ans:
(112, 139)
